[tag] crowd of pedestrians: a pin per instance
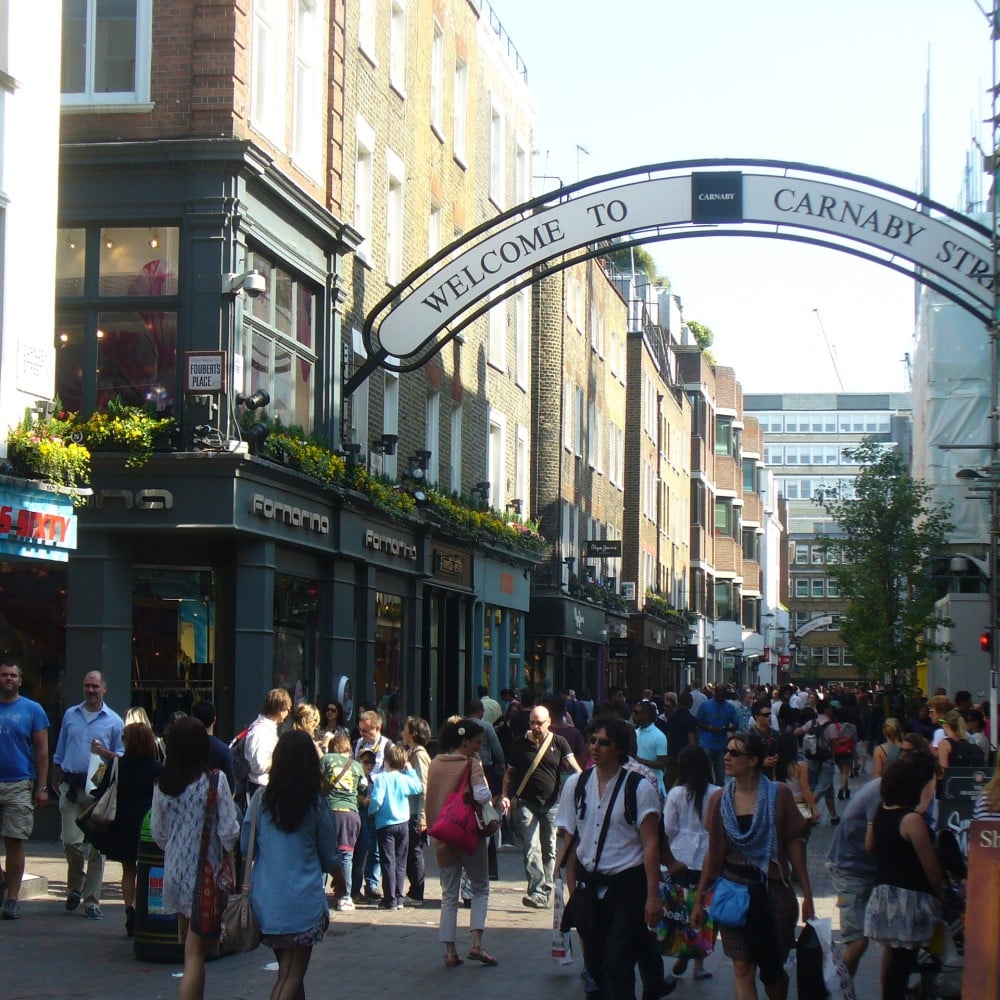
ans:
(693, 786)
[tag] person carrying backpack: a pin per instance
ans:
(956, 750)
(841, 739)
(818, 759)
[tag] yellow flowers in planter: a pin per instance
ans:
(133, 429)
(42, 448)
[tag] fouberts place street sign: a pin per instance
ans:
(881, 223)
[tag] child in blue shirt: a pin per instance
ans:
(390, 806)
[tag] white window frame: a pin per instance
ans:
(390, 418)
(522, 449)
(364, 185)
(397, 46)
(460, 111)
(568, 417)
(268, 70)
(591, 442)
(394, 217)
(522, 338)
(432, 435)
(496, 336)
(522, 170)
(129, 100)
(366, 28)
(498, 158)
(434, 223)
(307, 107)
(496, 446)
(578, 404)
(437, 81)
(360, 400)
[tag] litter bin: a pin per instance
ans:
(155, 931)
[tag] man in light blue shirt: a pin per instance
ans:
(651, 744)
(90, 727)
(717, 718)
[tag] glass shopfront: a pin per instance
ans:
(296, 636)
(173, 640)
(388, 649)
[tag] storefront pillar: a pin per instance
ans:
(254, 632)
(99, 618)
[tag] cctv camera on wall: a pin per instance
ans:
(253, 283)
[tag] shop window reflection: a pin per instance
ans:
(296, 635)
(388, 649)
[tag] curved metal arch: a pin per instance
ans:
(941, 248)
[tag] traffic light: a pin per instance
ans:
(986, 641)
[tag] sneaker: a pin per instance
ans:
(345, 904)
(9, 911)
(372, 895)
(410, 901)
(93, 912)
(74, 899)
(536, 902)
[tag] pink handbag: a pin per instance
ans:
(457, 824)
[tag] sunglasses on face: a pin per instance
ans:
(601, 742)
(331, 708)
(737, 753)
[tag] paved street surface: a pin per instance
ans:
(52, 953)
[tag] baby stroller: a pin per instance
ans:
(941, 964)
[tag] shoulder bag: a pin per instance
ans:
(487, 817)
(730, 903)
(457, 825)
(100, 814)
(240, 931)
(211, 891)
(531, 770)
(581, 910)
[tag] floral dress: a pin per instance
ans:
(176, 825)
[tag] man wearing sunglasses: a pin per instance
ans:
(614, 857)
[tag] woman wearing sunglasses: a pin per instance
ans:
(754, 830)
(333, 720)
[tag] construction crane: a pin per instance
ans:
(829, 349)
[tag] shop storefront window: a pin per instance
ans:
(173, 640)
(516, 647)
(33, 629)
(116, 316)
(388, 646)
(296, 635)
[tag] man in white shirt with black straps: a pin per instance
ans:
(624, 869)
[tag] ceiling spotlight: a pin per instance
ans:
(154, 242)
(255, 400)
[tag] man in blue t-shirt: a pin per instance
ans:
(651, 744)
(717, 718)
(24, 778)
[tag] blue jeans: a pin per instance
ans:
(392, 842)
(415, 861)
(346, 826)
(717, 758)
(369, 868)
(537, 828)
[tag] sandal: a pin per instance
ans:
(482, 955)
(452, 961)
(680, 966)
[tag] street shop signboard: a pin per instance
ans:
(959, 789)
(35, 524)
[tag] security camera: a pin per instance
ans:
(254, 284)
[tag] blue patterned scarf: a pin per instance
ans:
(760, 843)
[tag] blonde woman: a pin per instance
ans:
(886, 753)
(955, 750)
(305, 719)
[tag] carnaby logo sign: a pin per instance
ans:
(717, 197)
(766, 198)
(390, 546)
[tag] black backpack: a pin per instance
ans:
(632, 780)
(965, 754)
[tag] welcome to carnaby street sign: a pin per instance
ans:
(764, 198)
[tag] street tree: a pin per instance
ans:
(888, 531)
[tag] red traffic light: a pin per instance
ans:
(986, 641)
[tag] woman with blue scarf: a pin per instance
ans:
(754, 830)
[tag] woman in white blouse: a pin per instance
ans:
(684, 822)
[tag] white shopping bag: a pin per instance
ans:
(562, 943)
(836, 978)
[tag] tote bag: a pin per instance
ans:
(457, 824)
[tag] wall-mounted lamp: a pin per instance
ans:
(255, 400)
(44, 408)
(514, 506)
(255, 437)
(482, 490)
(386, 444)
(422, 458)
(570, 562)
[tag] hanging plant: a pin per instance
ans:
(42, 448)
(137, 430)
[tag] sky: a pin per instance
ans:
(838, 85)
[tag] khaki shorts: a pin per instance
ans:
(853, 892)
(17, 809)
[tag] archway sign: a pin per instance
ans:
(887, 225)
